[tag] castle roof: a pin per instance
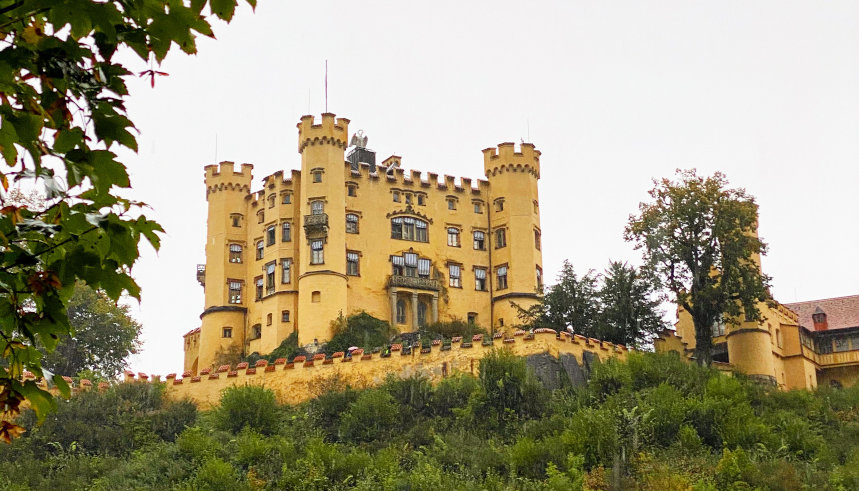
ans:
(841, 312)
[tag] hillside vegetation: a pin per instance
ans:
(652, 422)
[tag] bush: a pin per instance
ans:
(247, 406)
(510, 390)
(453, 393)
(372, 416)
(362, 330)
(449, 329)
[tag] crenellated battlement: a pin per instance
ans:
(411, 177)
(293, 380)
(505, 158)
(331, 130)
(223, 177)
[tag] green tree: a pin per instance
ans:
(103, 335)
(571, 303)
(630, 307)
(62, 106)
(700, 239)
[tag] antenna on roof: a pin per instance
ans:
(326, 85)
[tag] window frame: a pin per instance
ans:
(352, 223)
(453, 237)
(286, 271)
(233, 297)
(236, 253)
(286, 232)
(260, 246)
(353, 263)
(500, 237)
(454, 273)
(501, 279)
(317, 254)
(481, 242)
(481, 284)
(270, 235)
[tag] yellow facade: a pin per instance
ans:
(337, 237)
(294, 382)
(779, 350)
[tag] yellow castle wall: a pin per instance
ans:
(510, 175)
(295, 383)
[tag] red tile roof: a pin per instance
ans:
(840, 312)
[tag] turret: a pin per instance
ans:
(223, 318)
(322, 268)
(514, 216)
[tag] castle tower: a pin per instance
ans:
(223, 319)
(514, 220)
(750, 344)
(322, 268)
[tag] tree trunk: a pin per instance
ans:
(703, 341)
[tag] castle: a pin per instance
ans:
(797, 346)
(343, 234)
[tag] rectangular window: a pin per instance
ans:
(421, 200)
(398, 264)
(539, 278)
(451, 204)
(284, 316)
(453, 237)
(480, 279)
(478, 207)
(499, 204)
(500, 238)
(270, 235)
(258, 283)
(268, 319)
(317, 176)
(272, 199)
(352, 263)
(269, 278)
(421, 231)
(537, 244)
(424, 268)
(260, 216)
(256, 331)
(501, 277)
(236, 219)
(317, 255)
(235, 291)
(479, 241)
(408, 198)
(411, 262)
(235, 253)
(286, 232)
(286, 198)
(396, 196)
(286, 270)
(260, 249)
(228, 332)
(455, 271)
(352, 190)
(351, 223)
(317, 207)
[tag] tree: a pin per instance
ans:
(62, 107)
(572, 303)
(103, 336)
(700, 239)
(630, 308)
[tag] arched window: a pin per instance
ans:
(408, 228)
(401, 312)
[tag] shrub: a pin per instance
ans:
(247, 406)
(592, 433)
(372, 416)
(453, 393)
(449, 329)
(215, 474)
(510, 390)
(361, 329)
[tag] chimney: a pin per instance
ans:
(819, 318)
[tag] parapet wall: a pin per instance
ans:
(300, 379)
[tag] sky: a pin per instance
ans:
(614, 94)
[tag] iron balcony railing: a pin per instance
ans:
(316, 225)
(414, 282)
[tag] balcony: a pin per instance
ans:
(316, 226)
(201, 274)
(414, 282)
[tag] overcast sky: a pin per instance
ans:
(614, 94)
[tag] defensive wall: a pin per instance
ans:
(297, 380)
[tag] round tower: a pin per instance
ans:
(223, 319)
(322, 251)
(514, 235)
